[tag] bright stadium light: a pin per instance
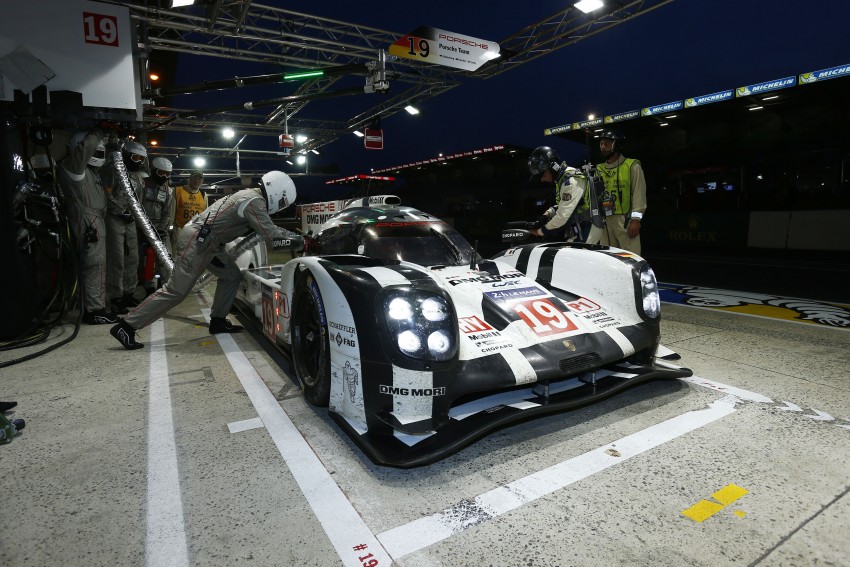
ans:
(300, 139)
(587, 6)
(411, 109)
(199, 162)
(228, 133)
(300, 160)
(358, 133)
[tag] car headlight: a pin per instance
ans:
(421, 323)
(649, 292)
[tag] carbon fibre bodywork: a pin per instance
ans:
(538, 329)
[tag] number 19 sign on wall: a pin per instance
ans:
(431, 45)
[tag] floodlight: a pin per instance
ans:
(199, 162)
(411, 109)
(228, 133)
(587, 6)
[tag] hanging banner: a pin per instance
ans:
(431, 45)
(824, 74)
(661, 108)
(759, 88)
(622, 116)
(709, 98)
(373, 139)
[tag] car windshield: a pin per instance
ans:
(403, 234)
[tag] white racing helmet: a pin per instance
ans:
(160, 169)
(278, 190)
(99, 156)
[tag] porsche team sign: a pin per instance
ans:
(441, 47)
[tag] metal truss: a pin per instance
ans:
(248, 31)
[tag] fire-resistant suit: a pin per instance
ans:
(86, 201)
(226, 219)
(122, 248)
(158, 202)
(569, 191)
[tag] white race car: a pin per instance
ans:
(419, 347)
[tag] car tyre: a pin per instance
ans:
(311, 351)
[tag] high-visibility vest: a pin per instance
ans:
(188, 205)
(618, 182)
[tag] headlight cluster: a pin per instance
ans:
(649, 292)
(421, 324)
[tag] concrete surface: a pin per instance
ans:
(78, 486)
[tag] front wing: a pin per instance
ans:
(481, 416)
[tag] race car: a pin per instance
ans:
(418, 346)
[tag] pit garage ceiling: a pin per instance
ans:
(215, 34)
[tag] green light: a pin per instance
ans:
(303, 75)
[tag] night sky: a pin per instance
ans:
(683, 49)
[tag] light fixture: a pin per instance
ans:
(671, 116)
(228, 133)
(771, 97)
(153, 142)
(358, 133)
(598, 130)
(663, 124)
(300, 159)
(300, 139)
(315, 151)
(181, 3)
(411, 109)
(587, 6)
(756, 108)
(289, 162)
(199, 162)
(591, 116)
(153, 77)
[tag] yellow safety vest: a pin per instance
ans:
(618, 182)
(187, 205)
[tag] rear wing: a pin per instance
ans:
(314, 215)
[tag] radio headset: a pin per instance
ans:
(206, 228)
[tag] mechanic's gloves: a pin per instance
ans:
(294, 243)
(541, 221)
(126, 216)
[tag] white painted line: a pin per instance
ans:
(421, 533)
(726, 389)
(165, 543)
(343, 525)
(245, 425)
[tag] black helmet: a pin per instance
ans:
(543, 158)
(618, 138)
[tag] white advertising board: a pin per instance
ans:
(88, 45)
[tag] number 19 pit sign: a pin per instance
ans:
(441, 47)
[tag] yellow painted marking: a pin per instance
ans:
(768, 311)
(702, 510)
(207, 343)
(729, 494)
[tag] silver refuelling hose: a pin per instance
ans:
(245, 244)
(142, 220)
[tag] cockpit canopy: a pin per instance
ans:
(393, 233)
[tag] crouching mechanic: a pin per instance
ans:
(201, 247)
(569, 191)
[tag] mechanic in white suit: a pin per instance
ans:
(569, 191)
(201, 247)
(80, 179)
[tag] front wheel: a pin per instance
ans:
(311, 351)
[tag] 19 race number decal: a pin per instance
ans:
(543, 317)
(100, 29)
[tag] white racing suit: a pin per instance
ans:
(122, 247)
(158, 203)
(569, 191)
(86, 201)
(226, 219)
